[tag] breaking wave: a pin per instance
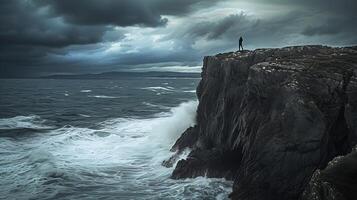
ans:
(121, 155)
(23, 122)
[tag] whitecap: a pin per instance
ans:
(155, 106)
(67, 134)
(86, 91)
(44, 163)
(190, 91)
(83, 115)
(20, 122)
(39, 156)
(158, 88)
(104, 97)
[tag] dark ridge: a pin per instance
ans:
(117, 75)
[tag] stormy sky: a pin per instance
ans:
(43, 37)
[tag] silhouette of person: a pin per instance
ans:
(241, 43)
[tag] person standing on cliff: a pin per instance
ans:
(241, 43)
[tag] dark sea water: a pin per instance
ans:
(96, 139)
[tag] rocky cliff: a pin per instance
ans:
(270, 118)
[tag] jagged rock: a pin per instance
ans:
(337, 182)
(213, 163)
(273, 117)
(187, 140)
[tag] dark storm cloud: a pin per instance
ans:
(74, 36)
(341, 6)
(215, 29)
(323, 29)
(221, 34)
(294, 22)
(211, 30)
(28, 34)
(327, 17)
(24, 24)
(346, 25)
(123, 12)
(32, 30)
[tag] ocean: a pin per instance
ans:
(97, 139)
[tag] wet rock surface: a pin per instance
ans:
(337, 182)
(268, 119)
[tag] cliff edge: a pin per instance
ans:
(270, 118)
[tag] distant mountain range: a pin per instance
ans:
(116, 75)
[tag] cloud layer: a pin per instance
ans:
(39, 37)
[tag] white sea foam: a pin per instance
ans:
(155, 106)
(86, 91)
(122, 140)
(83, 115)
(190, 91)
(159, 88)
(104, 97)
(44, 163)
(19, 122)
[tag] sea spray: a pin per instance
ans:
(167, 129)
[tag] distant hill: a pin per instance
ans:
(116, 75)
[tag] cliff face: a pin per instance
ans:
(269, 118)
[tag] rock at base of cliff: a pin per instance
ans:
(337, 182)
